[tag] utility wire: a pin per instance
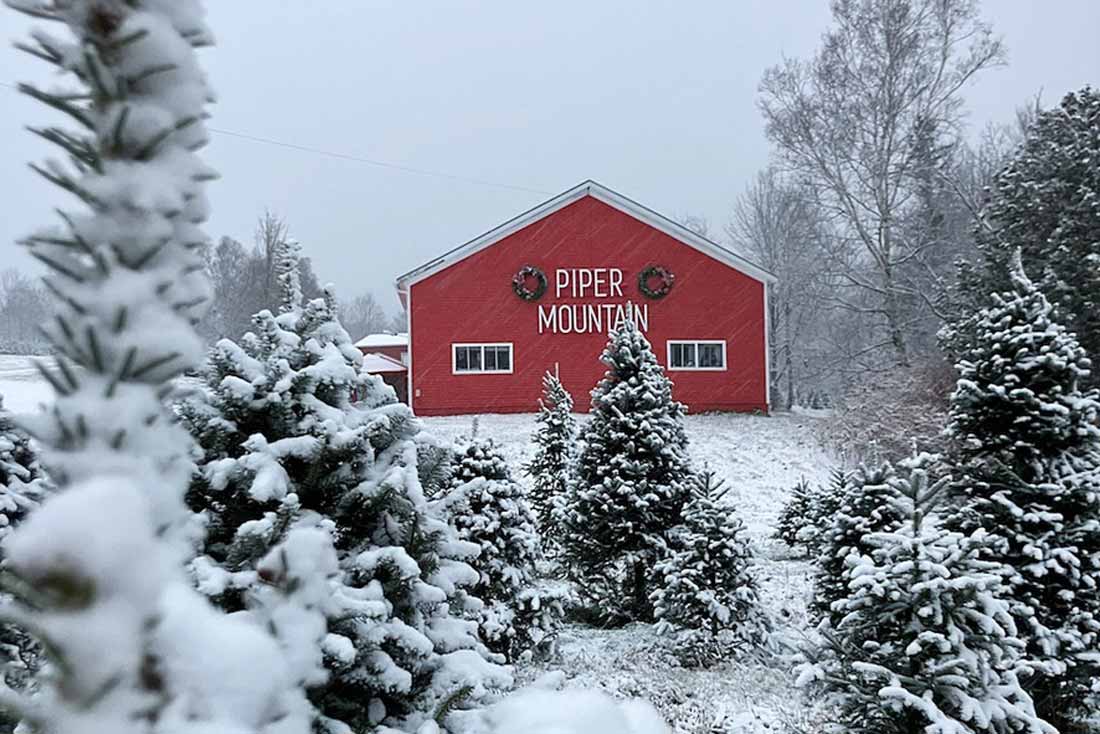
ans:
(360, 159)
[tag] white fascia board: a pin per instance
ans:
(605, 195)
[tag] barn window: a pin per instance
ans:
(481, 358)
(697, 355)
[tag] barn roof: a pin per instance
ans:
(607, 196)
(383, 340)
(376, 363)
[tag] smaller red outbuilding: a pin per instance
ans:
(541, 291)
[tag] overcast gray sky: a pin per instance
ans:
(654, 99)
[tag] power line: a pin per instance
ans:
(360, 159)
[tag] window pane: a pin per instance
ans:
(675, 355)
(687, 356)
(504, 358)
(462, 361)
(710, 355)
(475, 358)
(490, 358)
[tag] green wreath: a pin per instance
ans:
(520, 283)
(655, 272)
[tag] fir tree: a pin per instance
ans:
(285, 447)
(865, 507)
(489, 508)
(794, 517)
(1046, 202)
(23, 486)
(97, 569)
(1026, 455)
(706, 592)
(924, 640)
(555, 447)
(632, 480)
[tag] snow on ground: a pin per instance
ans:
(21, 386)
(760, 458)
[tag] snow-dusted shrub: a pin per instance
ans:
(489, 509)
(551, 466)
(705, 589)
(296, 435)
(1026, 457)
(631, 484)
(923, 641)
(98, 567)
(867, 506)
(888, 415)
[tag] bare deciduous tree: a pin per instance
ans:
(774, 222)
(856, 123)
(363, 315)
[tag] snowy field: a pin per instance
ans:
(760, 458)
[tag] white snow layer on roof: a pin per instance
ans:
(375, 363)
(383, 340)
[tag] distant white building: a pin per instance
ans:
(387, 355)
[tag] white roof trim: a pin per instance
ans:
(607, 196)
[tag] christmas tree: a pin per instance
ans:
(97, 570)
(555, 452)
(924, 641)
(866, 507)
(295, 434)
(1045, 203)
(489, 508)
(795, 515)
(1026, 456)
(632, 481)
(706, 592)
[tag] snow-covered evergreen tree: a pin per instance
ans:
(285, 446)
(866, 507)
(98, 567)
(794, 517)
(1046, 202)
(1026, 456)
(632, 481)
(489, 508)
(808, 514)
(23, 486)
(924, 640)
(555, 452)
(705, 589)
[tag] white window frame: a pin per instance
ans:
(482, 345)
(696, 343)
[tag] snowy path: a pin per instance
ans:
(761, 459)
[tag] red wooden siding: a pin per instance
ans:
(472, 301)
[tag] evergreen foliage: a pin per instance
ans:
(924, 640)
(706, 592)
(489, 508)
(96, 570)
(1046, 203)
(23, 486)
(1026, 457)
(555, 453)
(866, 507)
(286, 447)
(632, 481)
(808, 514)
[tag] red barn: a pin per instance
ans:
(541, 291)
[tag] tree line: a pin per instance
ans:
(243, 281)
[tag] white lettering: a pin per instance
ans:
(584, 280)
(562, 328)
(599, 278)
(561, 280)
(548, 319)
(616, 282)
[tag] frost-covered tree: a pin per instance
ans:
(555, 452)
(1046, 202)
(489, 508)
(794, 517)
(705, 589)
(294, 433)
(865, 507)
(632, 480)
(98, 568)
(924, 640)
(23, 486)
(1026, 456)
